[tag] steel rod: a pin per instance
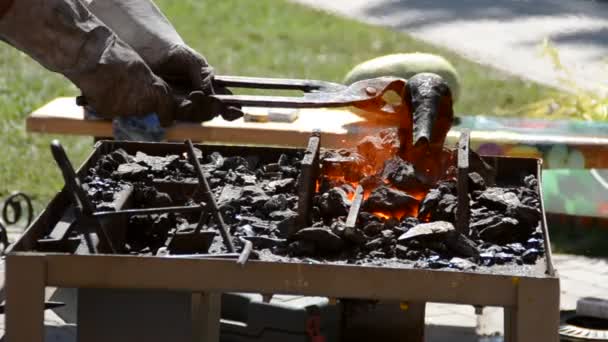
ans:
(245, 253)
(353, 213)
(150, 211)
(462, 214)
(217, 215)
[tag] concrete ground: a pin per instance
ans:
(504, 34)
(579, 277)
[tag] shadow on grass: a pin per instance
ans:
(578, 235)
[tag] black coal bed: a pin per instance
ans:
(364, 205)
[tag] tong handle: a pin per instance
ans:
(275, 83)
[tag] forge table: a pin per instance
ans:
(528, 293)
(531, 302)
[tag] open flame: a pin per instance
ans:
(350, 168)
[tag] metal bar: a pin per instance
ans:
(217, 215)
(306, 186)
(462, 214)
(543, 222)
(150, 211)
(244, 256)
(353, 213)
(275, 83)
(84, 207)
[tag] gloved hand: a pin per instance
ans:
(66, 38)
(142, 25)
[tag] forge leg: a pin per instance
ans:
(206, 311)
(536, 317)
(25, 280)
(509, 324)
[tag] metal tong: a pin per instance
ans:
(366, 94)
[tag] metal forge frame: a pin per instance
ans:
(530, 300)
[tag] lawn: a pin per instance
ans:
(254, 38)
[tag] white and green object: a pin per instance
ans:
(406, 65)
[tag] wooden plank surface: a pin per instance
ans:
(63, 116)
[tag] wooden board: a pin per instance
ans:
(338, 126)
(63, 116)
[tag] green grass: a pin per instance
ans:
(254, 38)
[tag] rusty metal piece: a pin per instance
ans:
(462, 214)
(215, 211)
(307, 182)
(353, 213)
(431, 109)
(84, 212)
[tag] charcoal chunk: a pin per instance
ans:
(387, 200)
(531, 182)
(130, 171)
(373, 228)
(302, 248)
(334, 203)
(425, 231)
(354, 235)
(283, 160)
(254, 196)
(436, 262)
(285, 225)
(400, 173)
(275, 203)
(525, 214)
(429, 203)
(230, 195)
(503, 258)
(517, 248)
(534, 243)
(530, 256)
(121, 156)
(232, 163)
(373, 151)
(215, 160)
(498, 199)
(504, 231)
(281, 215)
(370, 183)
(460, 245)
(487, 258)
(282, 185)
(462, 264)
(476, 182)
(323, 238)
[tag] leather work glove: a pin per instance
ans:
(142, 25)
(66, 38)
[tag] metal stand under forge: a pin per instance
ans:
(530, 298)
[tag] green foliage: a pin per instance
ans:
(580, 103)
